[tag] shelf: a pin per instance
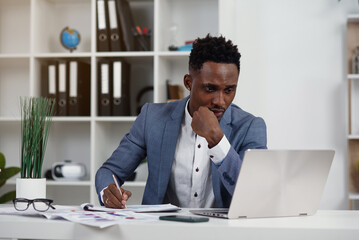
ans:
(71, 119)
(116, 119)
(353, 137)
(68, 183)
(353, 18)
(15, 55)
(58, 183)
(354, 196)
(353, 76)
(54, 119)
(352, 41)
(134, 184)
(10, 119)
(125, 54)
(173, 53)
(62, 55)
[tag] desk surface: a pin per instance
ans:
(323, 225)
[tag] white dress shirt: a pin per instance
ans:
(191, 179)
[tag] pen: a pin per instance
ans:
(118, 187)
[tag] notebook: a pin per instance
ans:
(277, 183)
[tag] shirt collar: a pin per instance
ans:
(187, 116)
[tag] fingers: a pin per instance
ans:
(125, 196)
(126, 193)
(113, 199)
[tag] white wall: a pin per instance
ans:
(293, 74)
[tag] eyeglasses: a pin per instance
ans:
(39, 204)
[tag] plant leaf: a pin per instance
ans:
(2, 161)
(10, 171)
(35, 122)
(8, 197)
(7, 173)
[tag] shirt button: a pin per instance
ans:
(211, 156)
(195, 194)
(197, 169)
(199, 146)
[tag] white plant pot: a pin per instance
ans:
(31, 188)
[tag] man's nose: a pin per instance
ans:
(219, 99)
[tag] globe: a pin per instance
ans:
(70, 38)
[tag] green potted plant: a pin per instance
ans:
(5, 174)
(36, 116)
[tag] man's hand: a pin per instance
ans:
(112, 197)
(206, 125)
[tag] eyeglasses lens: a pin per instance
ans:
(21, 205)
(40, 205)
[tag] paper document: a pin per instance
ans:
(93, 218)
(134, 208)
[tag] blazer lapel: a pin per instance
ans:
(169, 142)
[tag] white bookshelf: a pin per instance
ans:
(31, 35)
(352, 30)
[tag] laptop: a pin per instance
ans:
(277, 183)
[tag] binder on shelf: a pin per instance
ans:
(79, 88)
(104, 92)
(126, 24)
(116, 42)
(103, 42)
(48, 81)
(62, 87)
(121, 89)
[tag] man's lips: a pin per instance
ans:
(217, 112)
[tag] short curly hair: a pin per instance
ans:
(214, 49)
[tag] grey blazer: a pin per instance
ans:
(154, 134)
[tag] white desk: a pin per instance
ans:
(324, 225)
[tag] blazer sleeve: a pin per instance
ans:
(127, 156)
(228, 170)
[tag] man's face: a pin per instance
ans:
(214, 86)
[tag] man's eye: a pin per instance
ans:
(228, 90)
(209, 89)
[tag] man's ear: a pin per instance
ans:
(187, 81)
